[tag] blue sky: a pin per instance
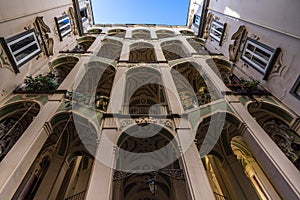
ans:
(170, 12)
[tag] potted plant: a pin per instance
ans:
(40, 84)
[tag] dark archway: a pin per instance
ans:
(64, 155)
(14, 120)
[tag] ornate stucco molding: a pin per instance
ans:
(239, 38)
(43, 30)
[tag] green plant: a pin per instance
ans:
(41, 84)
(253, 84)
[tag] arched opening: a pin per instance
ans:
(275, 121)
(141, 34)
(117, 33)
(192, 89)
(14, 120)
(147, 166)
(85, 42)
(142, 52)
(230, 166)
(95, 87)
(94, 31)
(224, 68)
(164, 34)
(62, 67)
(144, 92)
(187, 33)
(173, 50)
(62, 167)
(198, 44)
(110, 49)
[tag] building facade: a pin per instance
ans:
(140, 112)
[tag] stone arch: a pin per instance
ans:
(54, 161)
(222, 159)
(187, 32)
(94, 31)
(110, 49)
(96, 84)
(173, 50)
(276, 121)
(117, 33)
(191, 86)
(198, 44)
(144, 91)
(164, 34)
(223, 68)
(134, 184)
(85, 42)
(14, 120)
(62, 66)
(141, 34)
(142, 52)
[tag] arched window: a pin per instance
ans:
(144, 92)
(141, 34)
(85, 42)
(275, 121)
(187, 32)
(14, 120)
(198, 45)
(231, 168)
(62, 67)
(95, 87)
(173, 50)
(192, 89)
(117, 33)
(110, 49)
(142, 173)
(164, 34)
(142, 52)
(71, 146)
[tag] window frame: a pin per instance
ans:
(222, 33)
(83, 18)
(296, 87)
(58, 20)
(264, 49)
(195, 20)
(9, 42)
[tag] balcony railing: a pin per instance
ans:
(79, 196)
(139, 110)
(219, 196)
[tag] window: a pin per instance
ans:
(196, 20)
(21, 48)
(259, 56)
(63, 26)
(83, 14)
(217, 30)
(296, 89)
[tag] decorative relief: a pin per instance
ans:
(285, 139)
(73, 21)
(4, 61)
(209, 19)
(43, 30)
(146, 120)
(277, 68)
(239, 38)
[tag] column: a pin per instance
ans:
(100, 185)
(195, 174)
(281, 172)
(173, 98)
(118, 91)
(18, 161)
(158, 51)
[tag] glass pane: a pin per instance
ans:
(22, 43)
(26, 52)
